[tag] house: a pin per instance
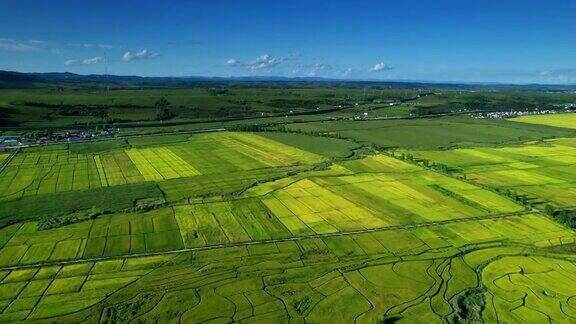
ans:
(9, 141)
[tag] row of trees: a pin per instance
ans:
(566, 217)
(163, 109)
(426, 163)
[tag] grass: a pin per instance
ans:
(81, 105)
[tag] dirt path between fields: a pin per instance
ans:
(248, 243)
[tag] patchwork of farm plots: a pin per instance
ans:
(45, 292)
(413, 274)
(542, 170)
(367, 240)
(377, 191)
(119, 234)
(43, 171)
(196, 226)
(558, 120)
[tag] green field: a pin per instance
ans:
(52, 170)
(543, 171)
(372, 193)
(69, 105)
(557, 120)
(441, 132)
(414, 275)
(439, 220)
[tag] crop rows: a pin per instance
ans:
(105, 236)
(246, 220)
(246, 230)
(545, 171)
(381, 191)
(45, 171)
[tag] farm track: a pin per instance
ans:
(9, 159)
(267, 241)
(197, 131)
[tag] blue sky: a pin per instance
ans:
(501, 41)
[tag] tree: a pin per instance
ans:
(163, 109)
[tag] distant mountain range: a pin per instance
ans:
(15, 80)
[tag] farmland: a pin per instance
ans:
(557, 120)
(69, 104)
(440, 132)
(445, 219)
(51, 170)
(422, 271)
(542, 171)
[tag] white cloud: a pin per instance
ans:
(86, 62)
(263, 62)
(72, 63)
(37, 42)
(100, 46)
(92, 46)
(12, 45)
(94, 60)
(381, 66)
(312, 70)
(558, 75)
(140, 55)
(232, 62)
(348, 72)
(317, 68)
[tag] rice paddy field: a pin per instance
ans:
(409, 274)
(280, 227)
(544, 171)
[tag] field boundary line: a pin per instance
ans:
(267, 241)
(9, 159)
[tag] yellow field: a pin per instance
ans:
(49, 171)
(558, 120)
(382, 191)
(542, 170)
(160, 163)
